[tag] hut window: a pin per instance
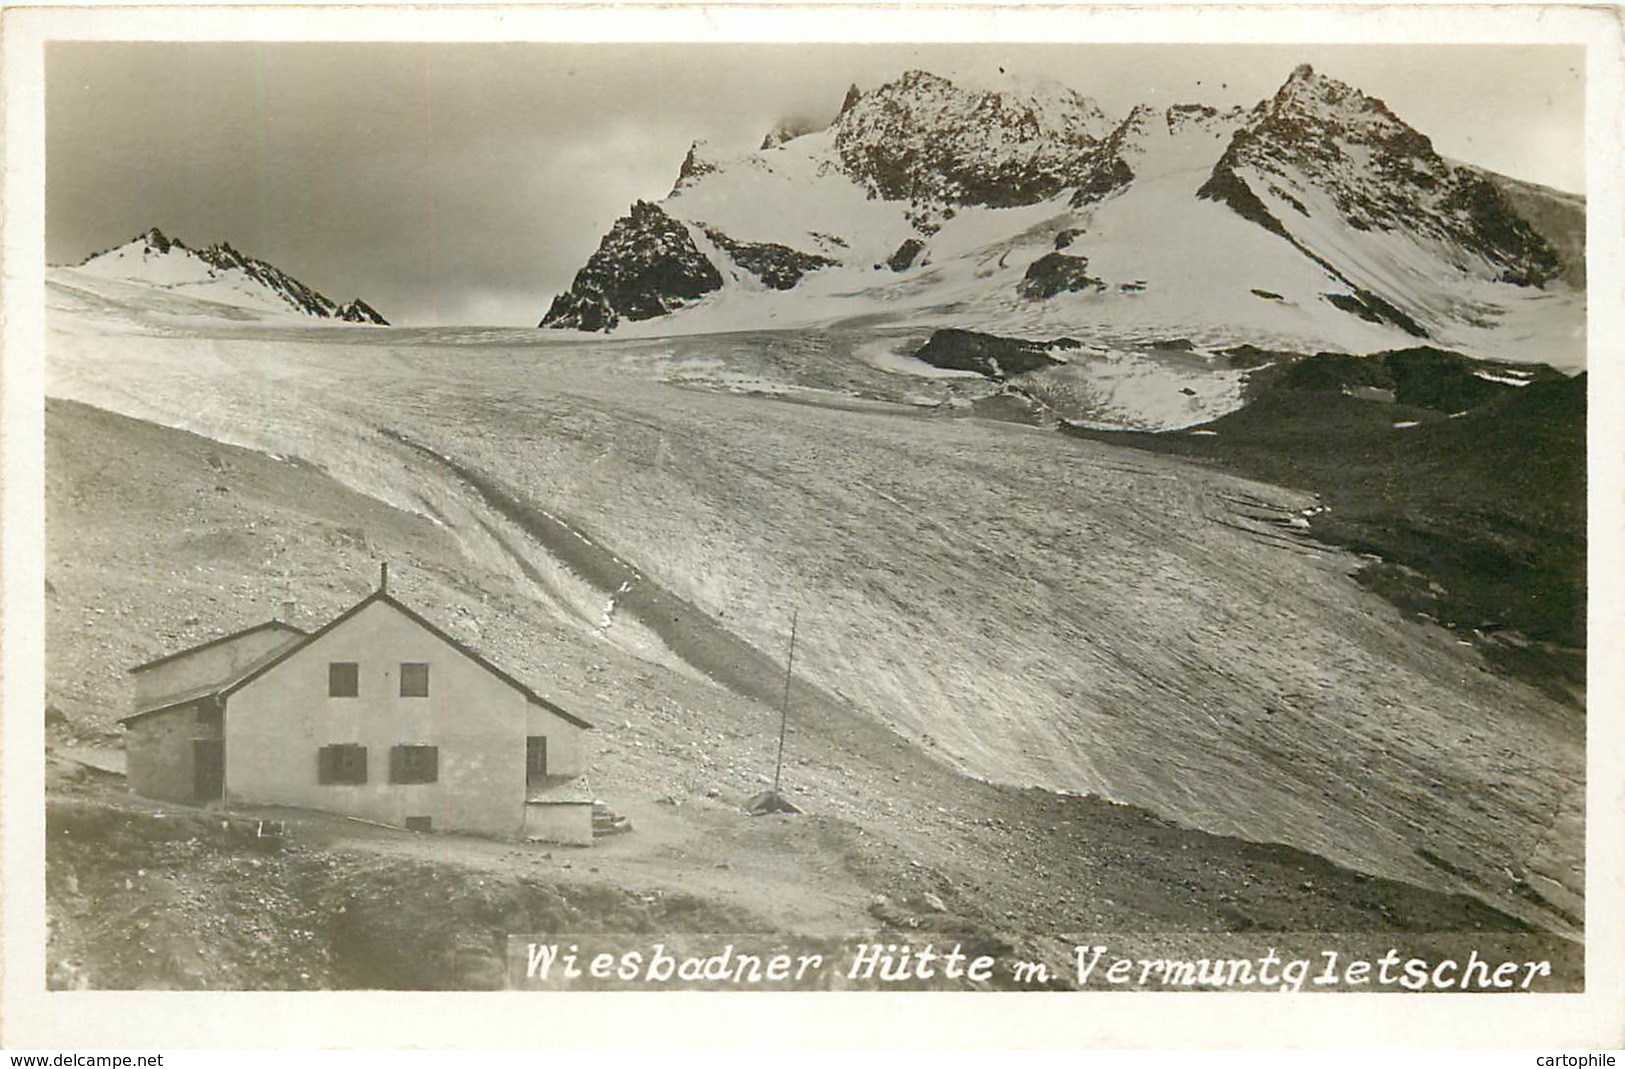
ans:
(342, 763)
(414, 764)
(535, 760)
(343, 679)
(414, 680)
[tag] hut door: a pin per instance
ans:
(208, 768)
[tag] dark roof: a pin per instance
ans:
(255, 671)
(207, 690)
(174, 701)
(166, 658)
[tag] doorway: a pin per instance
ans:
(208, 769)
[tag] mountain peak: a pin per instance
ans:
(925, 139)
(359, 311)
(913, 79)
(218, 274)
(695, 165)
(1306, 94)
(1319, 134)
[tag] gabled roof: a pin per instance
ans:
(206, 690)
(255, 671)
(166, 658)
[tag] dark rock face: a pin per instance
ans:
(1373, 309)
(359, 311)
(923, 139)
(694, 166)
(906, 254)
(1558, 217)
(1106, 169)
(647, 265)
(1103, 174)
(778, 266)
(985, 354)
(1380, 173)
(1056, 272)
(1226, 187)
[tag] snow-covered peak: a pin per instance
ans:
(218, 274)
(1016, 204)
(926, 140)
(1060, 110)
(1318, 141)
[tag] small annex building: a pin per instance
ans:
(378, 715)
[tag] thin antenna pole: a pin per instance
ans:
(784, 710)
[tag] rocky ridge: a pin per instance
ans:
(154, 258)
(1380, 174)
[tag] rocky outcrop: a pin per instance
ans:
(853, 95)
(778, 266)
(987, 354)
(157, 242)
(694, 166)
(1056, 272)
(646, 266)
(906, 254)
(1373, 309)
(359, 311)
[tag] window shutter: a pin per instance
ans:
(433, 773)
(397, 763)
(324, 765)
(361, 764)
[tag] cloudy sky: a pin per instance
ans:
(452, 184)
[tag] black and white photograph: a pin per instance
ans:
(936, 515)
